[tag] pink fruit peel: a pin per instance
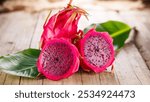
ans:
(63, 24)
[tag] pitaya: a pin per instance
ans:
(62, 24)
(58, 59)
(96, 49)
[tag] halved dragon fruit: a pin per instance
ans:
(58, 59)
(96, 49)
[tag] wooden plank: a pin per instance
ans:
(130, 67)
(28, 81)
(50, 82)
(11, 80)
(108, 78)
(124, 70)
(3, 77)
(138, 64)
(74, 79)
(19, 32)
(142, 38)
(90, 78)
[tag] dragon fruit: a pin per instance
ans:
(96, 49)
(58, 59)
(62, 24)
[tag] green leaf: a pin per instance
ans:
(119, 31)
(21, 64)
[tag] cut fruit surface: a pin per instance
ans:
(97, 51)
(58, 59)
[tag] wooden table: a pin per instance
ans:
(20, 30)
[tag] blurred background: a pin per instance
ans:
(39, 5)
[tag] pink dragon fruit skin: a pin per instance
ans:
(62, 24)
(58, 59)
(96, 49)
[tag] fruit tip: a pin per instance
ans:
(82, 12)
(47, 18)
(69, 4)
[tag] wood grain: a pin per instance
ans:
(17, 34)
(130, 67)
(142, 39)
(90, 78)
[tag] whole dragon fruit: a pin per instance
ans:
(58, 59)
(62, 24)
(96, 49)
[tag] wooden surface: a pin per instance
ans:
(20, 30)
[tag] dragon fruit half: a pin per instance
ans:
(96, 49)
(58, 59)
